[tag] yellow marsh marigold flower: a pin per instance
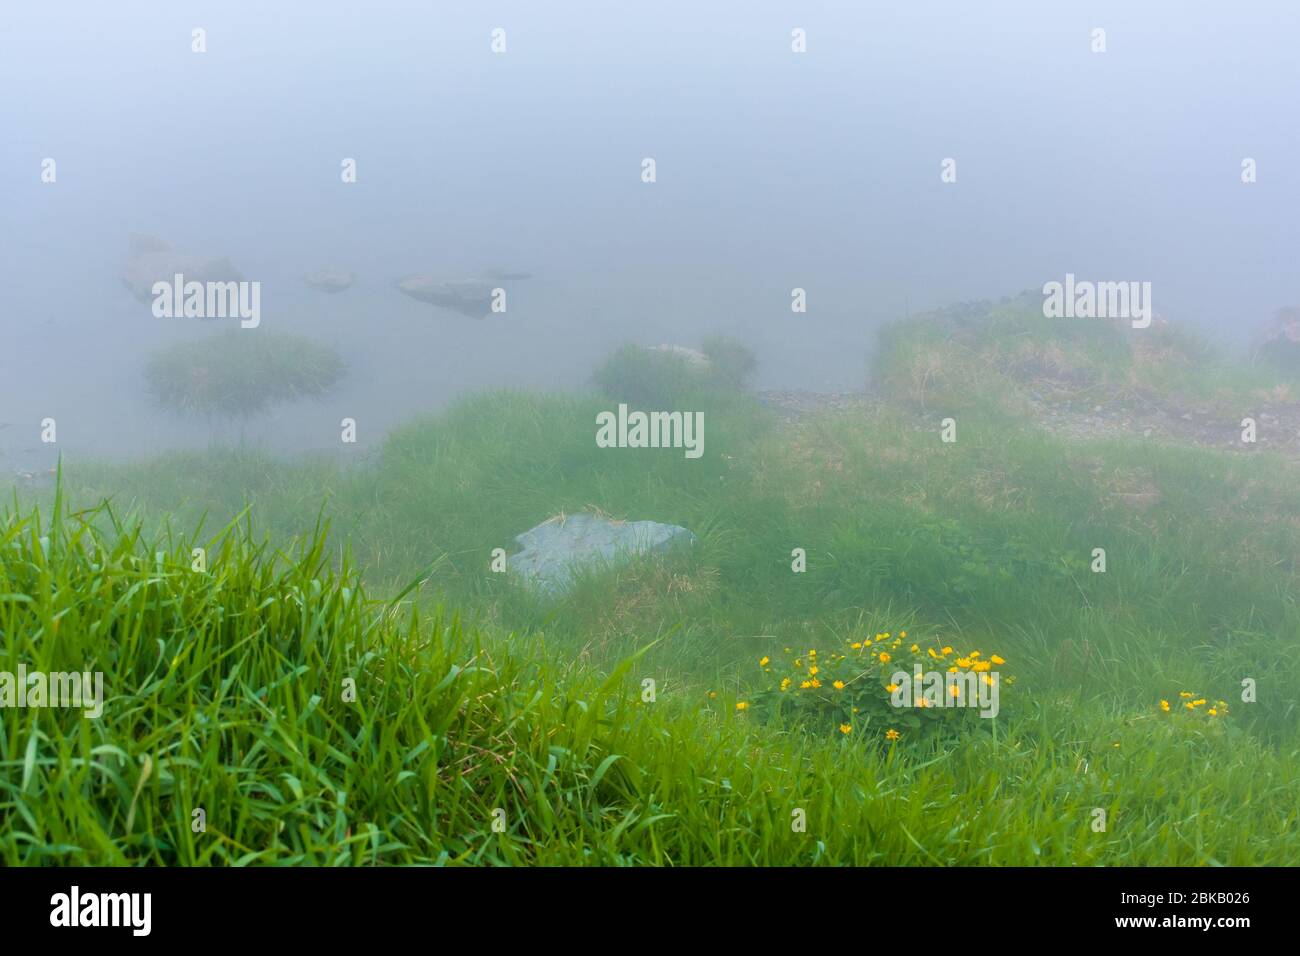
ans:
(812, 653)
(948, 650)
(813, 670)
(798, 662)
(922, 702)
(891, 687)
(845, 728)
(713, 694)
(1183, 693)
(956, 691)
(1199, 702)
(892, 734)
(857, 646)
(742, 705)
(930, 651)
(764, 661)
(815, 683)
(1164, 705)
(963, 662)
(1189, 705)
(980, 666)
(915, 648)
(804, 685)
(884, 658)
(997, 660)
(902, 633)
(838, 685)
(785, 683)
(987, 679)
(1212, 712)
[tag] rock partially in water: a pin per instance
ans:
(330, 280)
(35, 479)
(470, 296)
(153, 260)
(559, 546)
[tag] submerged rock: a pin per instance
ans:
(153, 260)
(35, 479)
(470, 296)
(330, 280)
(559, 546)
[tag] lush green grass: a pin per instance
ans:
(986, 542)
(226, 693)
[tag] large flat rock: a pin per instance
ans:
(556, 548)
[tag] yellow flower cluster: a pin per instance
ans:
(867, 658)
(1194, 702)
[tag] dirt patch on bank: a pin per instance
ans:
(1277, 424)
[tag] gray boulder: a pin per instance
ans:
(470, 296)
(330, 280)
(559, 546)
(153, 260)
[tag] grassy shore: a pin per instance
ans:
(491, 726)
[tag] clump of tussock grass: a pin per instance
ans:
(237, 375)
(664, 380)
(642, 377)
(733, 363)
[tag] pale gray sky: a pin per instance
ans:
(775, 170)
